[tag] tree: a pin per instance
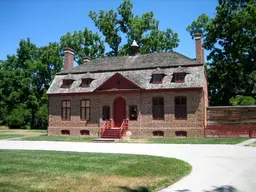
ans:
(84, 43)
(144, 29)
(242, 100)
(25, 77)
(230, 38)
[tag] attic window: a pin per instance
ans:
(67, 83)
(86, 82)
(157, 78)
(179, 77)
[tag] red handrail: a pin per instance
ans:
(106, 125)
(123, 127)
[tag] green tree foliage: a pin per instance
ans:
(242, 100)
(230, 38)
(114, 25)
(25, 77)
(84, 43)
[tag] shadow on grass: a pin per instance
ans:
(224, 188)
(138, 189)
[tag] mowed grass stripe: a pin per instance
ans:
(71, 171)
(8, 136)
(167, 140)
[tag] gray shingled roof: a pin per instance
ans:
(181, 70)
(158, 71)
(193, 79)
(140, 61)
(87, 76)
(138, 69)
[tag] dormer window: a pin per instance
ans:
(86, 82)
(67, 83)
(179, 77)
(157, 78)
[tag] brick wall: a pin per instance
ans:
(143, 127)
(231, 121)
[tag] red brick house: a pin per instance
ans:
(141, 95)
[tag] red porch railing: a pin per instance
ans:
(123, 127)
(106, 125)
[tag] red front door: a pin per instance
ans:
(119, 111)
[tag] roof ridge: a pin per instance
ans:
(139, 61)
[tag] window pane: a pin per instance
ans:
(179, 77)
(87, 113)
(158, 108)
(177, 111)
(154, 112)
(157, 78)
(183, 100)
(133, 113)
(181, 107)
(68, 114)
(83, 114)
(63, 113)
(158, 101)
(87, 103)
(68, 103)
(161, 101)
(64, 103)
(183, 112)
(106, 113)
(82, 103)
(161, 112)
(177, 100)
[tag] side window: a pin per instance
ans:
(158, 108)
(85, 107)
(105, 113)
(67, 83)
(180, 108)
(65, 110)
(133, 112)
(86, 82)
(179, 77)
(157, 78)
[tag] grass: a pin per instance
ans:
(188, 140)
(3, 127)
(14, 133)
(146, 140)
(8, 136)
(60, 138)
(72, 171)
(40, 135)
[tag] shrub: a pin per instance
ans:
(242, 100)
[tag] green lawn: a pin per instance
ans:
(8, 136)
(41, 135)
(72, 171)
(146, 140)
(59, 138)
(14, 133)
(188, 140)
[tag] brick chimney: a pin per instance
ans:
(68, 58)
(134, 48)
(86, 59)
(199, 48)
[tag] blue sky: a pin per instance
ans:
(45, 21)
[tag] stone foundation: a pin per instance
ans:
(144, 132)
